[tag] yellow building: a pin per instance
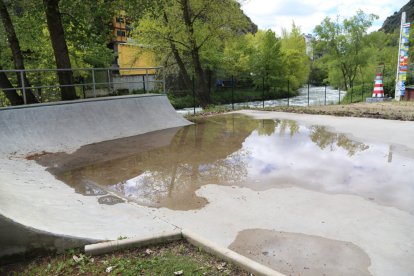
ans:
(120, 30)
(130, 55)
(133, 56)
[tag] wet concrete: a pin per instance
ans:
(165, 168)
(301, 254)
(361, 194)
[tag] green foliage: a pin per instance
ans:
(214, 23)
(345, 47)
(266, 60)
(86, 33)
(236, 58)
(296, 60)
(161, 260)
(225, 96)
(358, 93)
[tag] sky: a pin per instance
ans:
(278, 14)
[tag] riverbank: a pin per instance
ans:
(403, 111)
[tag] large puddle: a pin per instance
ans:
(165, 168)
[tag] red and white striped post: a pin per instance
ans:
(378, 87)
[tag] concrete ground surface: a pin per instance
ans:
(292, 230)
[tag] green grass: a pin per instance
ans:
(159, 260)
(225, 96)
(360, 92)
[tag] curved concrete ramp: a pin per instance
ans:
(69, 125)
(37, 211)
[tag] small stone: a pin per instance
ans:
(149, 251)
(77, 259)
(109, 269)
(221, 266)
(180, 272)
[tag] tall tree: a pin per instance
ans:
(296, 60)
(191, 31)
(9, 90)
(266, 59)
(345, 45)
(17, 58)
(60, 48)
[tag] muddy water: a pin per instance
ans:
(165, 168)
(300, 254)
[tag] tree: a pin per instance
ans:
(193, 32)
(296, 60)
(60, 49)
(236, 57)
(266, 59)
(87, 35)
(18, 59)
(345, 46)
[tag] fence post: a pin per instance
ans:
(146, 75)
(288, 93)
(362, 92)
(352, 91)
(194, 101)
(93, 83)
(308, 92)
(263, 93)
(109, 81)
(143, 83)
(339, 94)
(232, 92)
(164, 79)
(23, 87)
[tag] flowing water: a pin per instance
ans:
(165, 168)
(318, 95)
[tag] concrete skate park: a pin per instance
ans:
(288, 214)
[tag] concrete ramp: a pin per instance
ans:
(37, 211)
(66, 126)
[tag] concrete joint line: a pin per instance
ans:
(194, 239)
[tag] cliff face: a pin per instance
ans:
(393, 22)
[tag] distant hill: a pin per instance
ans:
(393, 22)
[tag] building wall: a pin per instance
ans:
(134, 83)
(133, 56)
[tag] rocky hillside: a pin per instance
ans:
(393, 22)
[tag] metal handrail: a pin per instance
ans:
(145, 82)
(81, 69)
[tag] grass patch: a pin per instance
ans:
(225, 96)
(176, 258)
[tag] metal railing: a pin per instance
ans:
(88, 82)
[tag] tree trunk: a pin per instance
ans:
(178, 59)
(202, 91)
(17, 56)
(60, 49)
(11, 94)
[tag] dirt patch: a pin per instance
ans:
(386, 110)
(37, 155)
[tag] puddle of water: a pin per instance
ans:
(300, 254)
(165, 168)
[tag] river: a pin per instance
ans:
(316, 97)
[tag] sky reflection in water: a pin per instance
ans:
(258, 154)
